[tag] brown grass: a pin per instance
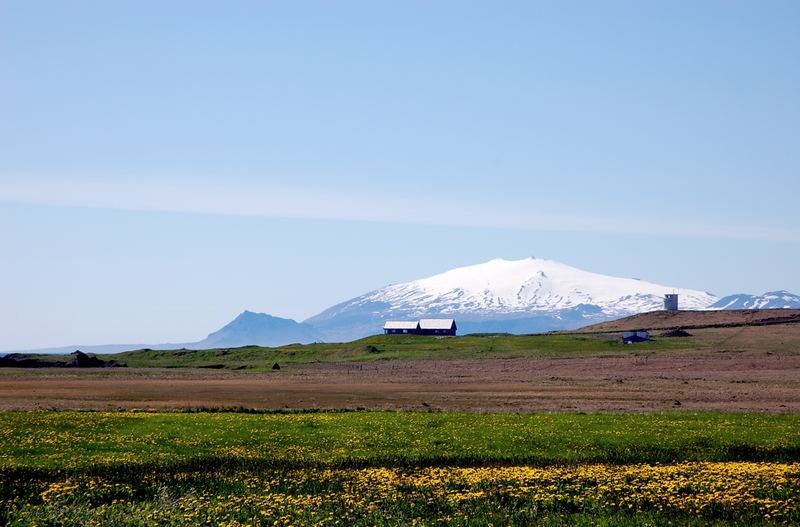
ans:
(696, 319)
(747, 368)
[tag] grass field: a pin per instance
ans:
(264, 465)
(389, 468)
(398, 347)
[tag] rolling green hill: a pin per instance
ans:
(396, 347)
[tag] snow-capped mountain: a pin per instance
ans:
(770, 300)
(505, 295)
(517, 296)
(527, 285)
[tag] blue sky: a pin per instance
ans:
(165, 165)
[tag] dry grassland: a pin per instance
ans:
(748, 368)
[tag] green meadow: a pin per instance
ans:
(398, 468)
(399, 347)
(83, 440)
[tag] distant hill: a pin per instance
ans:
(696, 319)
(771, 300)
(247, 329)
(258, 329)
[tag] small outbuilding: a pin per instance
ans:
(632, 337)
(394, 327)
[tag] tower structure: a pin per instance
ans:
(671, 302)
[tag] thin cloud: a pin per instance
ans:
(330, 204)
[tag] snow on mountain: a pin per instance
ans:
(531, 284)
(547, 294)
(770, 300)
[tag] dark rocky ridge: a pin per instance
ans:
(76, 359)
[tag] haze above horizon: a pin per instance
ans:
(164, 166)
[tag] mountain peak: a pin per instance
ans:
(770, 300)
(533, 284)
(247, 314)
(251, 328)
(557, 295)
